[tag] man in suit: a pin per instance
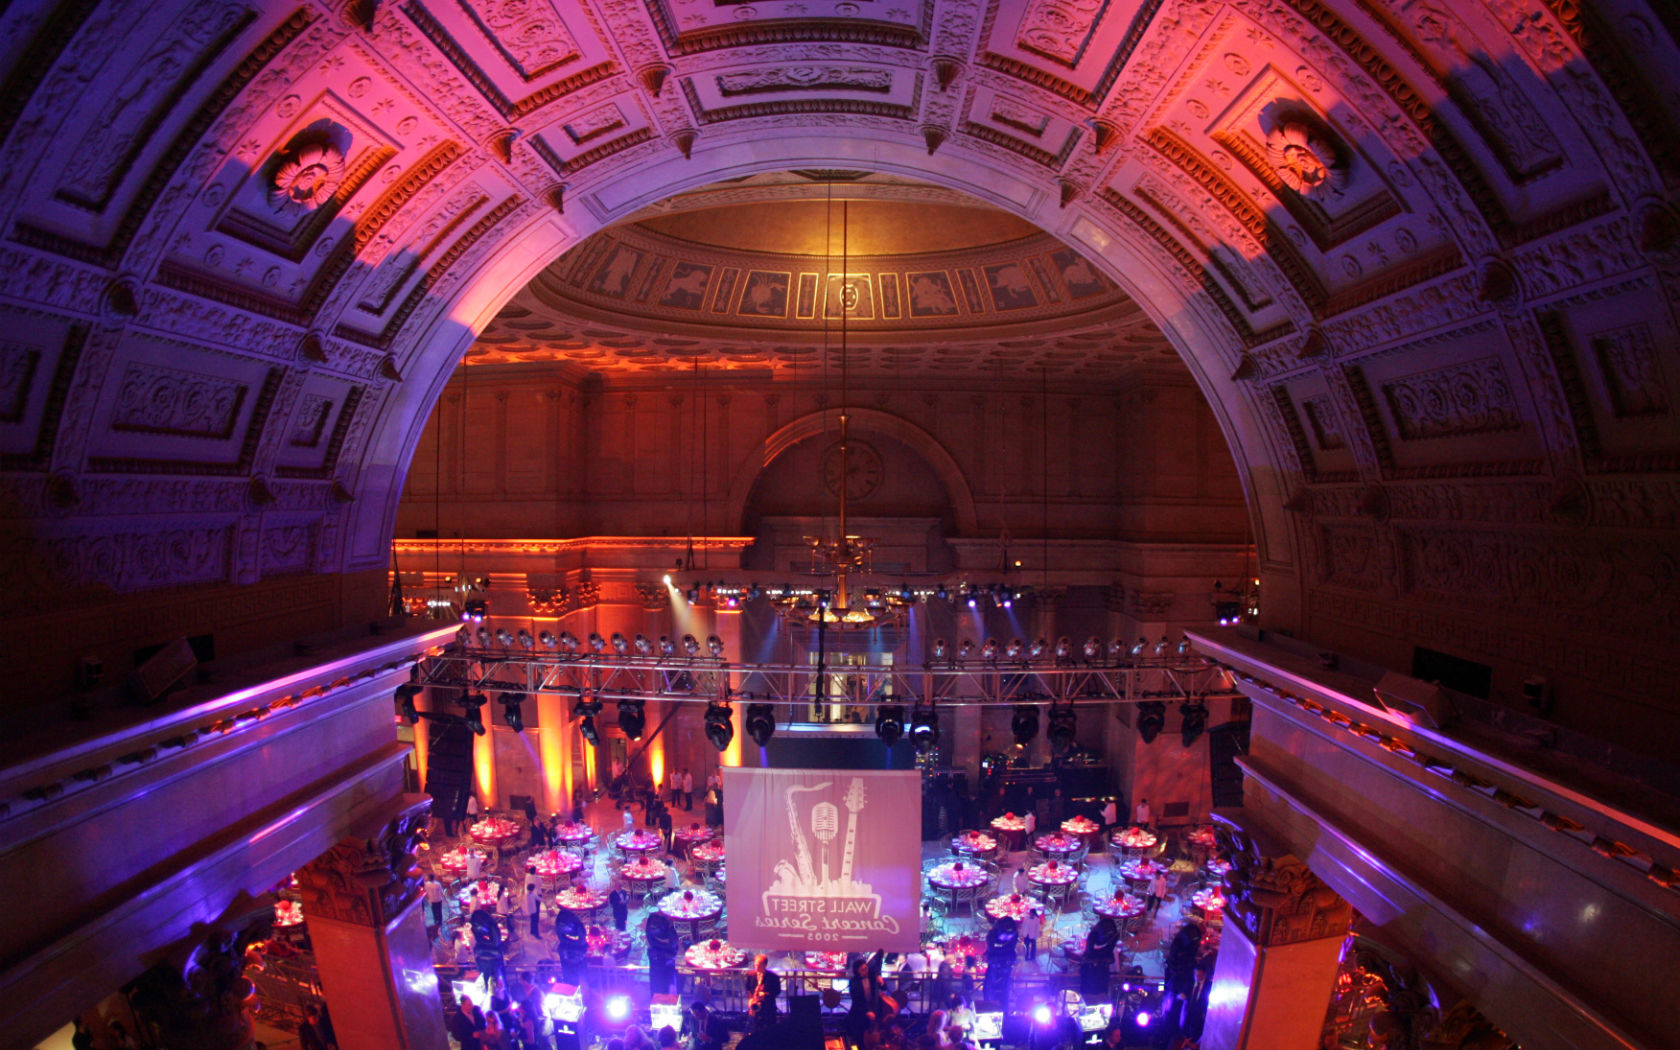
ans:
(766, 989)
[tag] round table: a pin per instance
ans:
(1012, 828)
(974, 843)
(826, 962)
(959, 879)
(641, 874)
(720, 876)
(1010, 906)
(287, 913)
(495, 832)
(554, 865)
(578, 834)
(1216, 867)
(1210, 902)
(708, 854)
(686, 838)
(1052, 874)
(454, 862)
(486, 891)
(1140, 870)
(1084, 827)
(582, 900)
(1122, 906)
(714, 955)
(692, 907)
(1134, 840)
(1059, 845)
(640, 841)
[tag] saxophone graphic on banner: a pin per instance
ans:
(787, 888)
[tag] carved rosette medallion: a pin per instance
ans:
(306, 179)
(1306, 159)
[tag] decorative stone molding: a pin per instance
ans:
(1278, 900)
(196, 993)
(1307, 159)
(368, 881)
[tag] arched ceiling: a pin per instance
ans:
(1420, 259)
(752, 281)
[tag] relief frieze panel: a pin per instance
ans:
(1470, 398)
(156, 400)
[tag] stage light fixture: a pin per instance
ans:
(939, 649)
(690, 645)
(761, 723)
(597, 644)
(482, 637)
(1116, 649)
(475, 610)
(568, 641)
(720, 724)
(1038, 647)
(1138, 647)
(989, 651)
(586, 708)
(618, 1008)
(512, 713)
(474, 703)
(1194, 714)
(1093, 647)
(1014, 649)
(548, 640)
(1161, 648)
(889, 723)
(1151, 719)
(1184, 647)
(504, 637)
(632, 717)
(714, 645)
(1063, 726)
(1025, 723)
(525, 639)
(966, 649)
(643, 646)
(1064, 648)
(924, 727)
(620, 644)
(666, 646)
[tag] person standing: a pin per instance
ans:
(1143, 816)
(466, 1024)
(1157, 891)
(475, 863)
(533, 900)
(767, 988)
(472, 809)
(688, 790)
(619, 901)
(434, 897)
(1032, 924)
(1110, 813)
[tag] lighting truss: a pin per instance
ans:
(610, 676)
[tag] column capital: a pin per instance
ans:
(368, 881)
(1273, 896)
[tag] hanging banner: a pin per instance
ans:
(823, 859)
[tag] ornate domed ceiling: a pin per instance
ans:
(748, 275)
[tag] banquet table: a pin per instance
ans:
(1052, 874)
(708, 855)
(956, 875)
(582, 900)
(578, 834)
(1010, 906)
(690, 908)
(1011, 828)
(454, 862)
(974, 843)
(638, 841)
(1084, 827)
(480, 891)
(1139, 870)
(287, 913)
(1134, 841)
(554, 865)
(690, 836)
(495, 832)
(1058, 844)
(714, 955)
(1121, 906)
(826, 962)
(1210, 902)
(641, 874)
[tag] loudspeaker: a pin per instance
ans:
(163, 671)
(449, 768)
(805, 1007)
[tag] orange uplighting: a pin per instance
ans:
(656, 760)
(484, 770)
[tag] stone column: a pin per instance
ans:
(1278, 954)
(363, 904)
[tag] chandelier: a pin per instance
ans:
(837, 606)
